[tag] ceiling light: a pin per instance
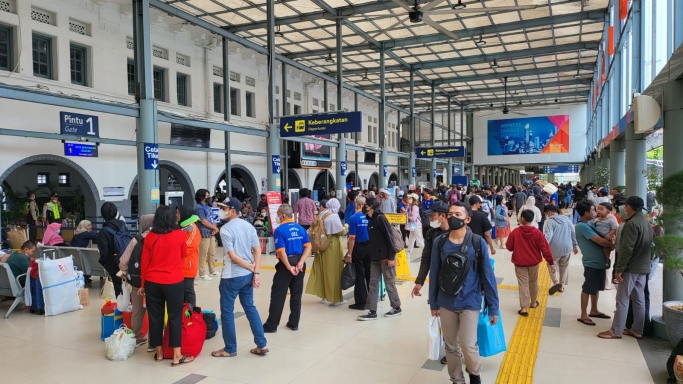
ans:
(278, 33)
(515, 94)
(520, 102)
(365, 77)
(491, 105)
(460, 5)
(578, 75)
(494, 64)
(480, 42)
(330, 59)
(556, 99)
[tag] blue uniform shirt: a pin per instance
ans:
(291, 238)
(358, 227)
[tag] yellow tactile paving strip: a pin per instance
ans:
(519, 361)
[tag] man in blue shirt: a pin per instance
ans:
(292, 247)
(593, 260)
(358, 253)
(208, 229)
(460, 313)
(427, 199)
(351, 206)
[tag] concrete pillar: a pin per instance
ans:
(412, 170)
(617, 163)
(551, 177)
(341, 149)
(473, 172)
(636, 161)
(273, 141)
(383, 172)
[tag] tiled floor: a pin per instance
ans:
(330, 347)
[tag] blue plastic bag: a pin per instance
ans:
(490, 338)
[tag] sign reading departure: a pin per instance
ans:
(321, 124)
(432, 152)
(561, 169)
(77, 124)
(151, 156)
(80, 149)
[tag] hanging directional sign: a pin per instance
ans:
(276, 164)
(342, 167)
(386, 170)
(413, 171)
(561, 169)
(321, 124)
(77, 124)
(431, 152)
(151, 156)
(80, 149)
(457, 170)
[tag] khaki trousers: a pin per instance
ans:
(138, 315)
(561, 263)
(207, 250)
(459, 331)
(527, 279)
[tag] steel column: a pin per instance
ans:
(147, 131)
(617, 162)
(382, 122)
(226, 115)
(273, 142)
(341, 149)
(636, 162)
(284, 112)
(432, 132)
(448, 175)
(355, 108)
(412, 169)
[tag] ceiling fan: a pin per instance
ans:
(418, 14)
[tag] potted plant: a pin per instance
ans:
(601, 177)
(669, 248)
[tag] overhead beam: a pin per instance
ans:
(502, 88)
(478, 59)
(512, 101)
(463, 34)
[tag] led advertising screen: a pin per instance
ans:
(528, 136)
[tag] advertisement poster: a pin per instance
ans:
(274, 200)
(528, 135)
(264, 184)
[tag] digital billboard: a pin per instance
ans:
(529, 135)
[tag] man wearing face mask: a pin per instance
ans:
(460, 313)
(241, 274)
(52, 210)
(438, 225)
(207, 227)
(358, 253)
(383, 262)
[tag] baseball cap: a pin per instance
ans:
(604, 190)
(384, 191)
(438, 207)
(474, 200)
(323, 203)
(231, 203)
(54, 194)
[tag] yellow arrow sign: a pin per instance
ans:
(423, 152)
(287, 127)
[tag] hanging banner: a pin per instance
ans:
(528, 135)
(274, 200)
(623, 9)
(610, 40)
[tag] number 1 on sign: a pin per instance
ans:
(91, 131)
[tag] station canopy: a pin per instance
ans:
(547, 49)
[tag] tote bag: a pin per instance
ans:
(490, 338)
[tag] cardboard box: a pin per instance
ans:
(84, 297)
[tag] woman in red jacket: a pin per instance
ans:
(163, 282)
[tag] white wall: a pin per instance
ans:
(577, 137)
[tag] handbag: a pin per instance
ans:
(348, 276)
(490, 338)
(395, 237)
(120, 345)
(436, 343)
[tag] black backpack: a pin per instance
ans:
(134, 270)
(457, 265)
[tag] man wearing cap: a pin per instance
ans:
(292, 248)
(479, 222)
(241, 274)
(52, 210)
(631, 269)
(427, 199)
(387, 202)
(358, 253)
(601, 197)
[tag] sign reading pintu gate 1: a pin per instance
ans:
(77, 124)
(321, 124)
(431, 152)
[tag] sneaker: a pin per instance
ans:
(393, 313)
(339, 303)
(443, 360)
(205, 277)
(215, 273)
(323, 301)
(151, 349)
(474, 379)
(268, 330)
(139, 342)
(371, 315)
(292, 327)
(357, 307)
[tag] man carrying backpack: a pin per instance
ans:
(455, 293)
(112, 241)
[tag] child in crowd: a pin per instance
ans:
(529, 247)
(606, 226)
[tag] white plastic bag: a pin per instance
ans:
(108, 290)
(436, 343)
(123, 299)
(120, 345)
(60, 290)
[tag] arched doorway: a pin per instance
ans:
(393, 179)
(77, 190)
(353, 180)
(243, 185)
(319, 184)
(293, 180)
(374, 181)
(174, 183)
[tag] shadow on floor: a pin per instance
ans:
(656, 352)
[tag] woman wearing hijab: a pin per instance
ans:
(52, 237)
(530, 204)
(325, 278)
(83, 235)
(188, 225)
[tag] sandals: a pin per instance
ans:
(629, 332)
(608, 335)
(259, 351)
(158, 360)
(586, 321)
(525, 314)
(183, 360)
(600, 316)
(554, 289)
(222, 353)
(536, 304)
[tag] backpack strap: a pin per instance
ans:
(442, 242)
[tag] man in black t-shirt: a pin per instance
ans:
(479, 223)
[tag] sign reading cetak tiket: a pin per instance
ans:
(321, 124)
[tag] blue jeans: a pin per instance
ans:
(229, 290)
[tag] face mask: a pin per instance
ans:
(594, 215)
(364, 210)
(221, 214)
(455, 223)
(434, 224)
(54, 201)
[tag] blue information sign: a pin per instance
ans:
(386, 170)
(77, 124)
(321, 124)
(413, 171)
(276, 164)
(151, 156)
(457, 170)
(561, 169)
(431, 152)
(342, 167)
(80, 149)
(459, 180)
